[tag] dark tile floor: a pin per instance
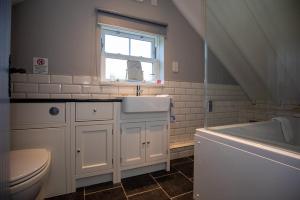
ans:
(177, 184)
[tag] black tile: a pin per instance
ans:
(175, 184)
(71, 196)
(164, 172)
(80, 190)
(186, 168)
(156, 194)
(101, 186)
(138, 184)
(111, 194)
(187, 196)
(180, 161)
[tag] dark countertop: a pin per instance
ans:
(63, 100)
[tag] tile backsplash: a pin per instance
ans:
(188, 98)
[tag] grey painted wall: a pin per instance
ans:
(216, 72)
(64, 31)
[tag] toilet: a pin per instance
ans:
(28, 173)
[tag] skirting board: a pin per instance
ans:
(83, 182)
(143, 170)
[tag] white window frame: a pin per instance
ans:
(157, 53)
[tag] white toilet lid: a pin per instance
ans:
(24, 163)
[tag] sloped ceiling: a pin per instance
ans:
(258, 41)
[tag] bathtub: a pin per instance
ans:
(247, 161)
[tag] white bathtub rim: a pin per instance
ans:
(235, 125)
(249, 142)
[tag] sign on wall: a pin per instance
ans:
(40, 65)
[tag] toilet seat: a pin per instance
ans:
(27, 164)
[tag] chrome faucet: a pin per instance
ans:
(139, 91)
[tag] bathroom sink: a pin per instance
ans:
(142, 104)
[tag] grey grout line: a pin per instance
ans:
(102, 190)
(160, 187)
(83, 193)
(185, 176)
(182, 172)
(124, 190)
(154, 178)
(165, 174)
(181, 194)
(144, 191)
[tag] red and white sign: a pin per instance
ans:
(40, 65)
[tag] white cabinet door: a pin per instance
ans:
(133, 144)
(156, 139)
(53, 139)
(94, 148)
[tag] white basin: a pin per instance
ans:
(142, 104)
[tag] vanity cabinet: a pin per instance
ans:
(94, 147)
(156, 141)
(143, 143)
(53, 139)
(133, 143)
(45, 125)
(91, 141)
(93, 138)
(89, 111)
(79, 134)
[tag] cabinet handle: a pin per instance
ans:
(148, 142)
(54, 111)
(94, 110)
(143, 143)
(78, 150)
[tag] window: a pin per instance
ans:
(122, 46)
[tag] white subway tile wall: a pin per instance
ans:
(91, 89)
(72, 89)
(25, 88)
(61, 79)
(60, 96)
(82, 80)
(49, 88)
(261, 111)
(38, 96)
(228, 101)
(18, 78)
(38, 78)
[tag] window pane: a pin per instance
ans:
(115, 44)
(140, 48)
(148, 71)
(115, 69)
